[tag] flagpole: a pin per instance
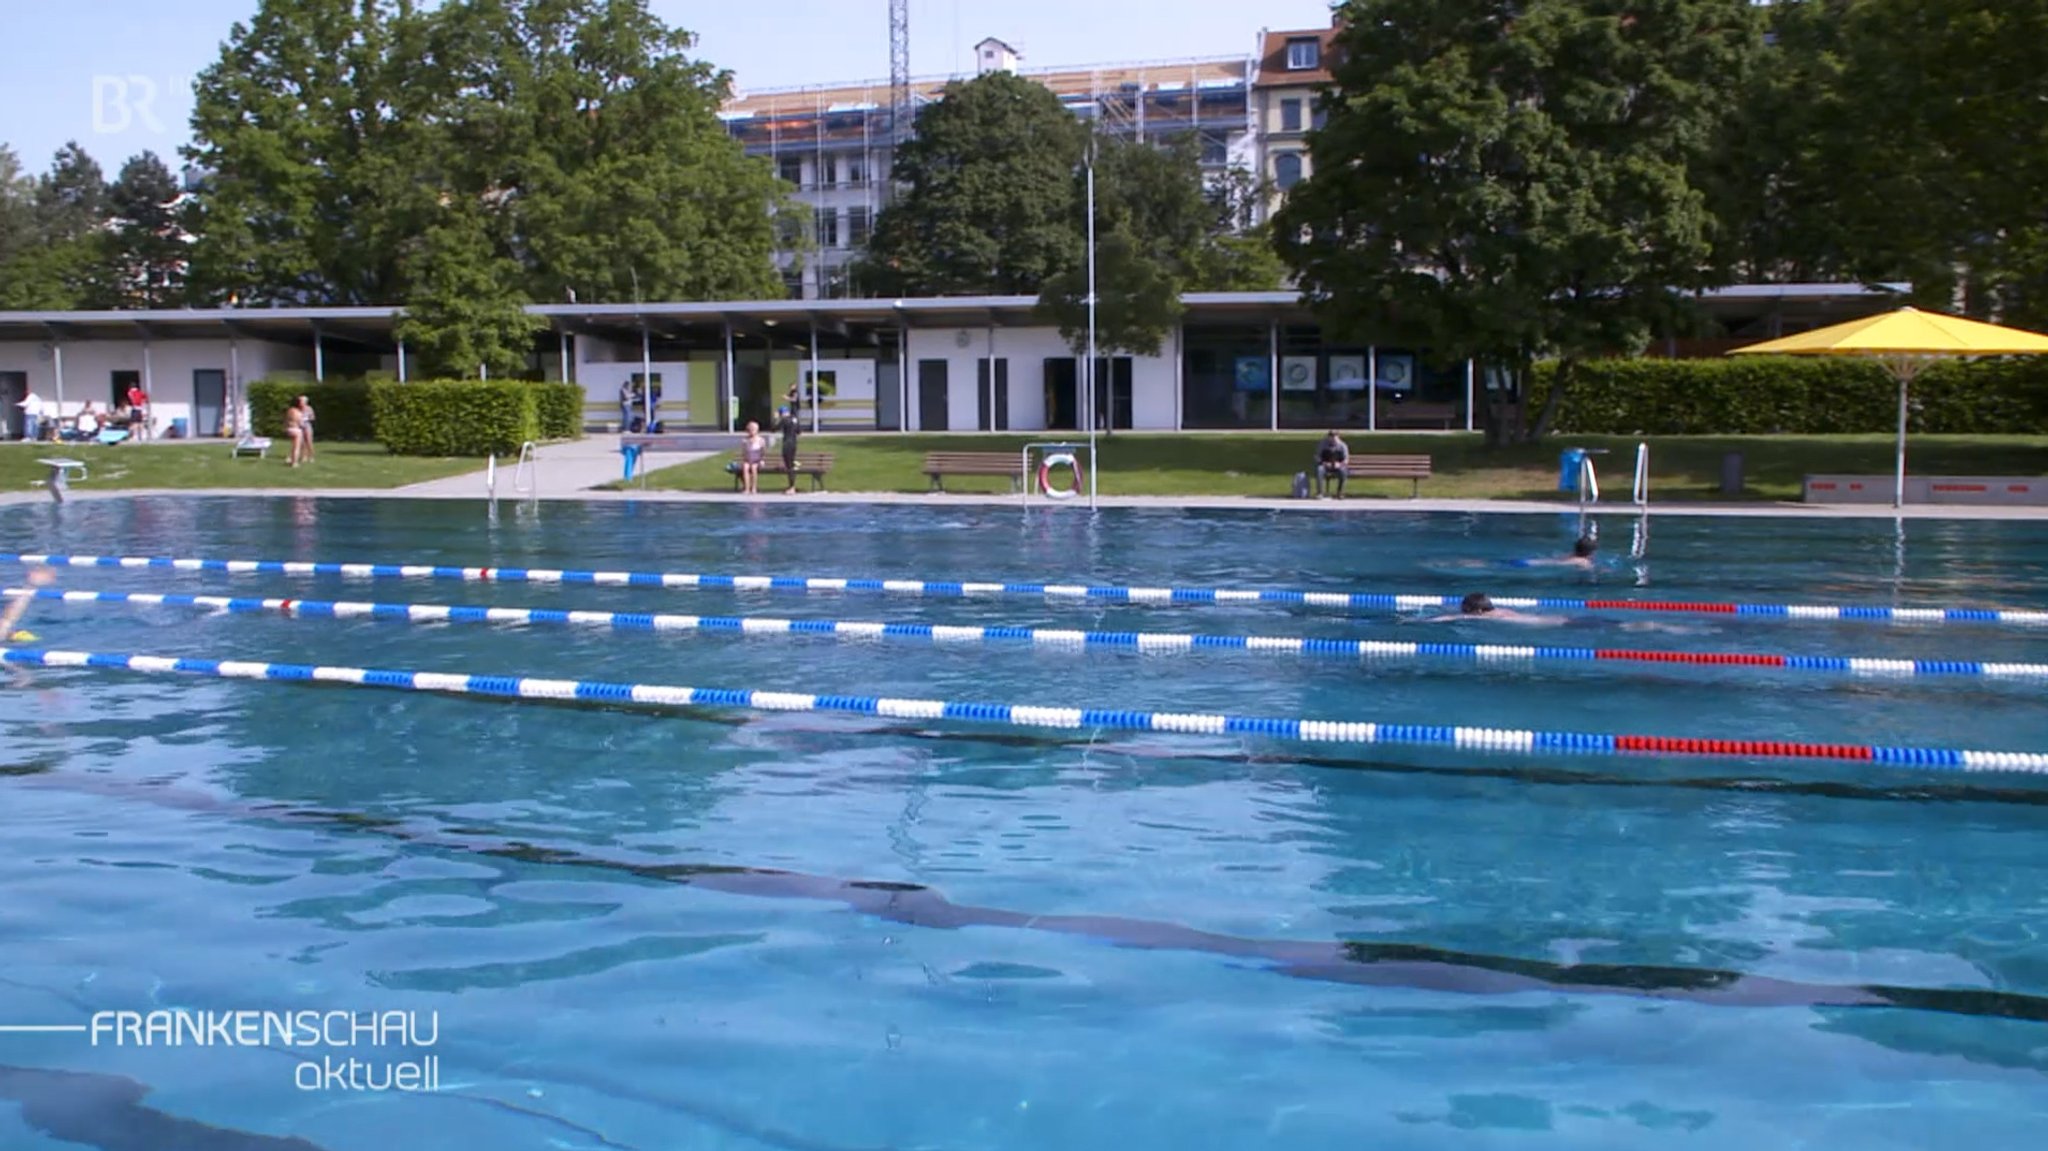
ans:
(1093, 463)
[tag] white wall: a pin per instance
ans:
(89, 364)
(1154, 399)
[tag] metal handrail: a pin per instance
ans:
(526, 476)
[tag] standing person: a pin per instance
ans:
(294, 431)
(138, 412)
(751, 450)
(791, 428)
(306, 427)
(626, 404)
(31, 417)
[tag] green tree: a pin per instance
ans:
(63, 263)
(987, 195)
(18, 230)
(464, 310)
(1498, 179)
(148, 248)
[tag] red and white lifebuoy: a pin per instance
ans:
(1045, 467)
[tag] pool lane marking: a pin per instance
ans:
(1149, 642)
(1377, 601)
(1350, 731)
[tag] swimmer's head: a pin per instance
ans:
(22, 637)
(41, 577)
(1476, 604)
(1584, 547)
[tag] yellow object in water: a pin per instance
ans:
(22, 637)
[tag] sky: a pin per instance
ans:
(116, 75)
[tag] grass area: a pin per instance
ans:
(203, 464)
(1263, 464)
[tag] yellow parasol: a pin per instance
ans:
(1905, 341)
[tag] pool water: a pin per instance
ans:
(1068, 939)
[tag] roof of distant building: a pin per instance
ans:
(1273, 69)
(1204, 72)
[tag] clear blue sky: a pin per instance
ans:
(116, 74)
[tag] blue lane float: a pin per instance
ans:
(1150, 642)
(1350, 731)
(1350, 601)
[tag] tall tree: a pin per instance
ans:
(464, 310)
(64, 262)
(987, 195)
(1498, 179)
(148, 247)
(18, 229)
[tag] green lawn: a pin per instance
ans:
(1254, 464)
(208, 465)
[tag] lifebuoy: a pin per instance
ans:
(1045, 467)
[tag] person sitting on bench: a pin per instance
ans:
(1331, 457)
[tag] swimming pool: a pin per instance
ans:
(1070, 939)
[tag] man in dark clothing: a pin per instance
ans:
(1331, 456)
(787, 424)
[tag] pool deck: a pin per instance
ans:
(571, 472)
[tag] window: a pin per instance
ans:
(1319, 119)
(1304, 55)
(792, 170)
(850, 173)
(1215, 150)
(1287, 169)
(856, 227)
(828, 227)
(1290, 115)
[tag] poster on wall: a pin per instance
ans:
(1347, 373)
(1252, 374)
(1298, 374)
(1397, 373)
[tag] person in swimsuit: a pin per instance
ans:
(751, 451)
(1478, 606)
(294, 432)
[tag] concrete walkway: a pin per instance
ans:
(561, 471)
(562, 490)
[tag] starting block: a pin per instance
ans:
(60, 476)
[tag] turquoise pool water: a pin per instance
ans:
(1068, 940)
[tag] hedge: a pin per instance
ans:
(455, 417)
(1796, 396)
(560, 409)
(341, 408)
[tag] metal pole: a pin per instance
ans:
(1273, 373)
(1469, 373)
(57, 359)
(732, 385)
(1899, 479)
(1093, 462)
(148, 389)
(646, 380)
(814, 375)
(565, 357)
(903, 376)
(233, 408)
(1372, 389)
(401, 361)
(319, 357)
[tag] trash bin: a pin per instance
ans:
(179, 429)
(1568, 467)
(1731, 474)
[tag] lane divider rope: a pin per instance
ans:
(1158, 642)
(1038, 716)
(1374, 601)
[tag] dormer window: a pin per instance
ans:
(1304, 55)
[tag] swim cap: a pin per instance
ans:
(22, 637)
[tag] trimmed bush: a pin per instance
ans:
(455, 417)
(560, 409)
(1795, 395)
(341, 408)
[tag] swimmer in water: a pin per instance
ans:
(1581, 557)
(10, 616)
(1477, 606)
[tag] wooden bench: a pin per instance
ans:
(813, 464)
(939, 465)
(1415, 468)
(1417, 415)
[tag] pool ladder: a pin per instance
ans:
(1639, 495)
(525, 479)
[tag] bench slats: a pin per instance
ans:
(813, 464)
(939, 465)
